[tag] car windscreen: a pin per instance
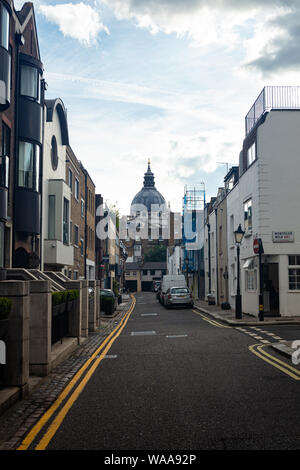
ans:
(179, 290)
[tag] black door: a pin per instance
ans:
(271, 289)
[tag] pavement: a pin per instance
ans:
(228, 317)
(19, 415)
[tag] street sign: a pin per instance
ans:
(256, 245)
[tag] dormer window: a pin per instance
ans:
(4, 29)
(30, 82)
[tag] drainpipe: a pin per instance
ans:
(209, 260)
(217, 259)
(18, 41)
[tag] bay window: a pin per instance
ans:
(66, 224)
(4, 156)
(28, 166)
(4, 27)
(30, 82)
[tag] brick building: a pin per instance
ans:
(21, 129)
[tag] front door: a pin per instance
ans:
(271, 289)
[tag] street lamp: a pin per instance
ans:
(238, 236)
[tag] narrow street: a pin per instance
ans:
(176, 380)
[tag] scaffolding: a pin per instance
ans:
(194, 198)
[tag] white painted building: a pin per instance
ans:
(265, 201)
(174, 259)
(57, 251)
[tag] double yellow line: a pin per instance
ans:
(93, 361)
(209, 320)
(257, 349)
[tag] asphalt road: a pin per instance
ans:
(173, 380)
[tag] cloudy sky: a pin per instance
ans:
(169, 80)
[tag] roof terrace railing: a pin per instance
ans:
(272, 97)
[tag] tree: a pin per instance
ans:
(157, 253)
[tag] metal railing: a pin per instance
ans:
(272, 97)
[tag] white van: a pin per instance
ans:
(176, 280)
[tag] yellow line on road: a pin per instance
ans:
(257, 349)
(212, 322)
(45, 418)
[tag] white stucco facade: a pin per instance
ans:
(270, 187)
(56, 249)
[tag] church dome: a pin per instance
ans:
(148, 195)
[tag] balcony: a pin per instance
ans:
(272, 97)
(55, 252)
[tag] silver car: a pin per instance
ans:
(178, 296)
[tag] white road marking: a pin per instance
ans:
(142, 333)
(176, 336)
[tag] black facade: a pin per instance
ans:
(5, 55)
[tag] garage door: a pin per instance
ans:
(147, 286)
(131, 286)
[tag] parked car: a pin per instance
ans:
(108, 293)
(156, 286)
(168, 281)
(180, 296)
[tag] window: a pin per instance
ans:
(71, 232)
(76, 189)
(145, 272)
(4, 156)
(70, 179)
(251, 154)
(66, 222)
(294, 272)
(248, 215)
(82, 208)
(51, 217)
(54, 156)
(251, 280)
(81, 247)
(30, 82)
(4, 27)
(28, 168)
(76, 235)
(2, 232)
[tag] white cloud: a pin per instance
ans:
(79, 21)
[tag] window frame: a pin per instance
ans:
(76, 188)
(54, 153)
(5, 156)
(248, 228)
(36, 166)
(251, 154)
(37, 97)
(50, 222)
(76, 238)
(294, 266)
(66, 223)
(6, 44)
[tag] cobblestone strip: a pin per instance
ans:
(17, 421)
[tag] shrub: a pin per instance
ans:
(5, 307)
(64, 296)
